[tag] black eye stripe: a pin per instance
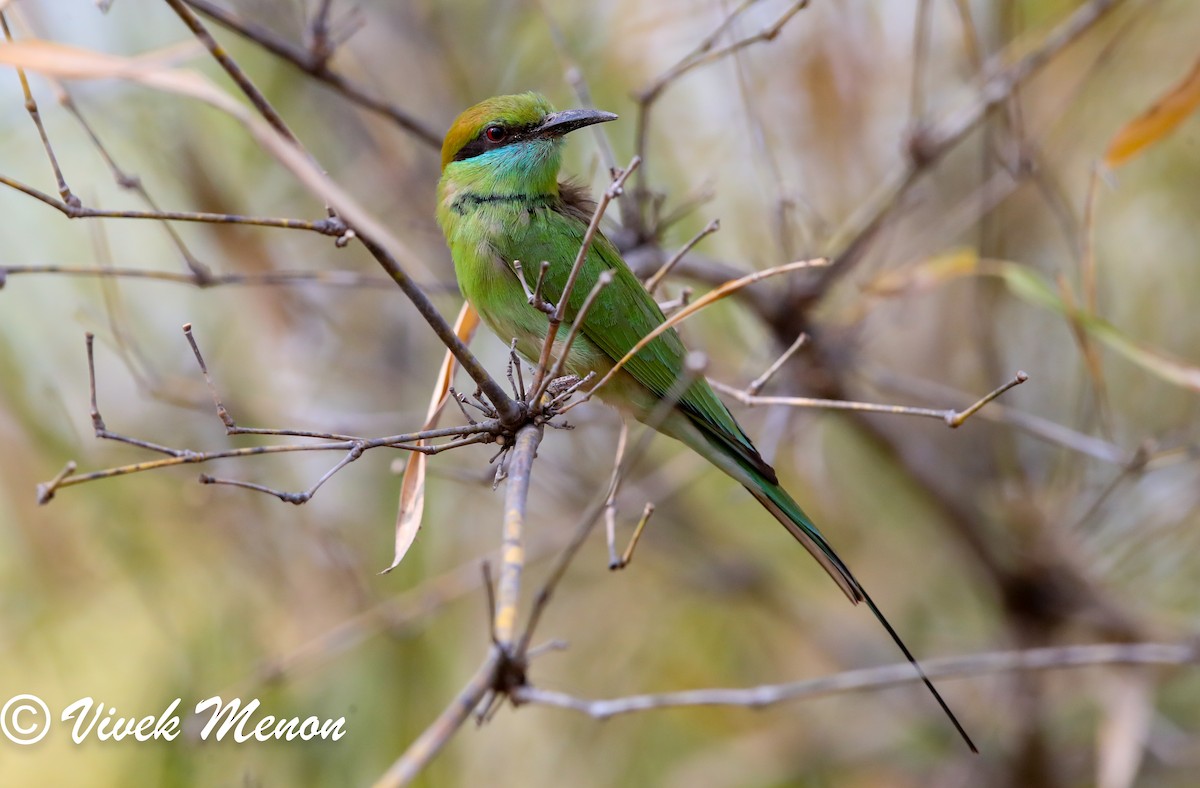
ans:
(481, 144)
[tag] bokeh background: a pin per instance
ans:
(1008, 533)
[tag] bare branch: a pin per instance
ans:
(627, 556)
(610, 506)
(602, 281)
(234, 71)
(303, 59)
(480, 432)
(77, 210)
(1041, 428)
(708, 298)
(877, 678)
(32, 108)
(694, 366)
(757, 384)
(540, 380)
(928, 145)
(516, 498)
(327, 278)
(654, 281)
(434, 738)
(705, 52)
(952, 418)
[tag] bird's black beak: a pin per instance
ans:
(557, 124)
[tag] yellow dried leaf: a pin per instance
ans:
(1157, 122)
(926, 274)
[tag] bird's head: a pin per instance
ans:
(519, 134)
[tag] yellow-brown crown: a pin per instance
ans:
(518, 110)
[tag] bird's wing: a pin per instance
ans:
(621, 316)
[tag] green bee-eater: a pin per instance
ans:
(500, 201)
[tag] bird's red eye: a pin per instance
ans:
(495, 133)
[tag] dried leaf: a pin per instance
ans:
(1157, 122)
(412, 489)
(1029, 286)
(925, 275)
(1127, 705)
(68, 62)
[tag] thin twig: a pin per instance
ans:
(434, 738)
(32, 108)
(757, 384)
(320, 45)
(708, 298)
(602, 281)
(916, 103)
(952, 418)
(610, 505)
(189, 457)
(536, 299)
(704, 52)
(573, 74)
(479, 432)
(76, 210)
(222, 412)
(540, 381)
(125, 180)
(1041, 428)
(654, 281)
(514, 365)
(627, 556)
(332, 278)
(45, 490)
(930, 143)
(878, 678)
(302, 59)
(264, 108)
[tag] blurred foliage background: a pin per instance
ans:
(1080, 529)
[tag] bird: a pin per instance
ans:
(500, 203)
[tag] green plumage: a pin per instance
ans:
(499, 201)
(503, 204)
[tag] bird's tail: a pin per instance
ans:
(776, 500)
(742, 461)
